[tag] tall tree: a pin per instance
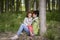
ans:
(53, 4)
(17, 5)
(34, 4)
(27, 5)
(1, 5)
(37, 4)
(6, 5)
(42, 13)
(59, 5)
(12, 5)
(48, 3)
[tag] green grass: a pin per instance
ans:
(11, 21)
(53, 26)
(53, 30)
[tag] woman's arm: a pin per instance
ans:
(25, 21)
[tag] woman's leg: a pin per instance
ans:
(18, 33)
(20, 29)
(23, 26)
(26, 30)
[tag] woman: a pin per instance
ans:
(35, 22)
(24, 26)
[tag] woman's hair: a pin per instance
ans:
(36, 12)
(28, 13)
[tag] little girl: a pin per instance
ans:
(26, 26)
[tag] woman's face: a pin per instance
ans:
(29, 15)
(34, 15)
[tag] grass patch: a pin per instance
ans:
(11, 21)
(53, 26)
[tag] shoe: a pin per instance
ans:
(14, 37)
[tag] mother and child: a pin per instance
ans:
(30, 25)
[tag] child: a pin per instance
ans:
(25, 26)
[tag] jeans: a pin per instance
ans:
(23, 27)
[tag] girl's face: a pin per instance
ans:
(34, 15)
(29, 15)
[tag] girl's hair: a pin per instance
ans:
(36, 13)
(28, 13)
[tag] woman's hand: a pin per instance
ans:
(29, 24)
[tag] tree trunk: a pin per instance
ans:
(1, 6)
(59, 5)
(17, 5)
(53, 4)
(12, 5)
(27, 5)
(42, 14)
(48, 3)
(34, 4)
(6, 5)
(37, 4)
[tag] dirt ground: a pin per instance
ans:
(7, 35)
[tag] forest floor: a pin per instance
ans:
(10, 22)
(8, 35)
